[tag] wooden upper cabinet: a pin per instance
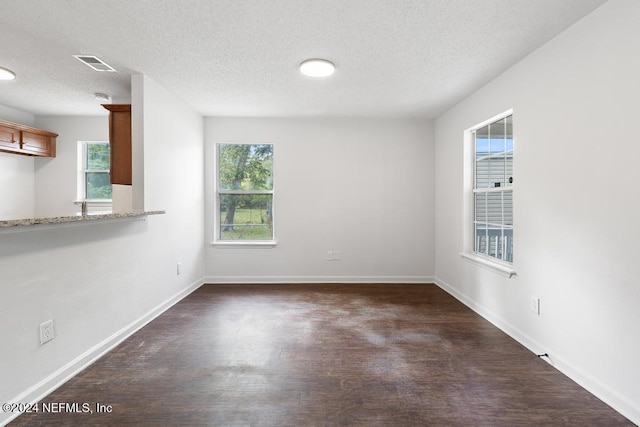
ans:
(25, 140)
(9, 138)
(37, 144)
(120, 142)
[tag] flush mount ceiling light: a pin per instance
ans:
(6, 74)
(102, 97)
(317, 68)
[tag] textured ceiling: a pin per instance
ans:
(394, 58)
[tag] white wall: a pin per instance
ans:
(173, 176)
(17, 191)
(16, 116)
(56, 178)
(576, 209)
(16, 174)
(100, 282)
(363, 187)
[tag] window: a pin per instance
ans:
(93, 180)
(244, 193)
(493, 189)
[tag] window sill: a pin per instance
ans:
(245, 244)
(501, 268)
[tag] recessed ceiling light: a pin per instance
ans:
(6, 74)
(317, 68)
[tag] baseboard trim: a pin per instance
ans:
(612, 398)
(316, 279)
(45, 387)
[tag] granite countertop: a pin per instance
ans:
(75, 218)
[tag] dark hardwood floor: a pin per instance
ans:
(323, 355)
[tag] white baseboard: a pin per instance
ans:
(43, 388)
(623, 405)
(316, 279)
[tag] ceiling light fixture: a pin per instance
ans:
(317, 68)
(102, 97)
(6, 74)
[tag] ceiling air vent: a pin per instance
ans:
(94, 62)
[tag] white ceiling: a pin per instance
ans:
(394, 58)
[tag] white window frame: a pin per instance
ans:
(468, 253)
(81, 179)
(217, 241)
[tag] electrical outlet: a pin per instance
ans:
(333, 256)
(179, 269)
(46, 331)
(535, 305)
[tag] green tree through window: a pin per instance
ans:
(97, 184)
(245, 192)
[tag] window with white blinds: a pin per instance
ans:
(493, 189)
